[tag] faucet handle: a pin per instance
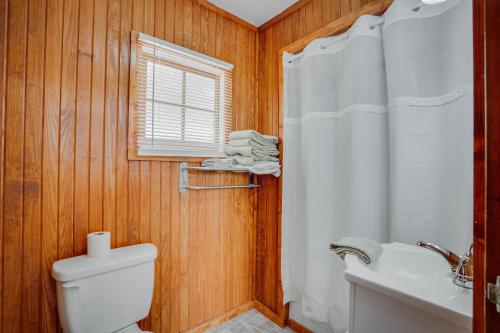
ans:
(452, 258)
(464, 274)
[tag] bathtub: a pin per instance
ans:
(408, 290)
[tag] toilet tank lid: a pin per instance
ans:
(84, 266)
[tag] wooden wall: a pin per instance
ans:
(63, 156)
(302, 20)
(63, 159)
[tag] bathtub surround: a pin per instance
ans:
(377, 143)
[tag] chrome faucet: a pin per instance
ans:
(461, 266)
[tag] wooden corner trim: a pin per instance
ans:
(271, 315)
(222, 318)
(297, 327)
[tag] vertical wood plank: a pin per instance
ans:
(183, 222)
(327, 13)
(50, 189)
(160, 19)
(175, 254)
(13, 172)
(155, 238)
(165, 249)
(149, 17)
(188, 23)
(309, 22)
(4, 14)
(97, 116)
(32, 191)
(134, 167)
(138, 15)
(82, 139)
(179, 22)
(318, 14)
(345, 7)
(336, 8)
(134, 203)
(111, 118)
(122, 126)
(196, 26)
(194, 251)
(145, 196)
(170, 11)
(67, 127)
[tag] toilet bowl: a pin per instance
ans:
(105, 295)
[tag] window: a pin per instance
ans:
(180, 101)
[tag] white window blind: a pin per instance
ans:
(182, 100)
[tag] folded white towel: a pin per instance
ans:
(266, 149)
(251, 142)
(266, 168)
(258, 168)
(251, 160)
(219, 162)
(366, 249)
(249, 151)
(254, 135)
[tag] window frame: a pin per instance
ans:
(133, 131)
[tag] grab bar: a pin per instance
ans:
(183, 178)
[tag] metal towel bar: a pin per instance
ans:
(184, 172)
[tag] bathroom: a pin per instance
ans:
(259, 166)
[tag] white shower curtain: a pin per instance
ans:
(428, 56)
(384, 153)
(336, 163)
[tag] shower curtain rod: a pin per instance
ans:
(323, 46)
(380, 21)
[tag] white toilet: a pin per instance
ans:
(105, 295)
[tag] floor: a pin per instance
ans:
(251, 321)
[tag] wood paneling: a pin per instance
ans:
(486, 162)
(294, 28)
(480, 195)
(64, 82)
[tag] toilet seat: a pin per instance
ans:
(131, 329)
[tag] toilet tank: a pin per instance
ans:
(103, 295)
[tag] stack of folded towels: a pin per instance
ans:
(249, 150)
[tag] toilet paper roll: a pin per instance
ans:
(98, 244)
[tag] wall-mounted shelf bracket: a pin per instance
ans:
(184, 178)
